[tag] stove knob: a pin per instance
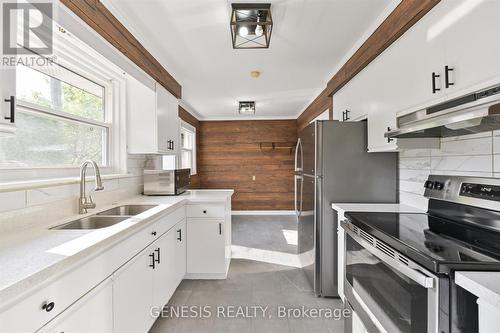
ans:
(438, 186)
(429, 184)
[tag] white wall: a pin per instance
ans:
(472, 155)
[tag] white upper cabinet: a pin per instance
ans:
(7, 96)
(469, 32)
(152, 119)
(167, 108)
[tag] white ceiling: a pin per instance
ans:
(191, 38)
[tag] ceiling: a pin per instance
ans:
(192, 40)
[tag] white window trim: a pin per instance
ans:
(191, 128)
(72, 53)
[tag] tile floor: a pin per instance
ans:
(251, 283)
(265, 232)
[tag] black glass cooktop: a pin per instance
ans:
(438, 244)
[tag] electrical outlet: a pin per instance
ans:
(253, 178)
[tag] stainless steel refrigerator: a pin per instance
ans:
(332, 165)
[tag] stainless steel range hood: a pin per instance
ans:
(473, 113)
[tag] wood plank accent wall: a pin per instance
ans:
(193, 121)
(230, 154)
(404, 16)
(99, 18)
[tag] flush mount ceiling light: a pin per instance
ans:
(251, 25)
(246, 108)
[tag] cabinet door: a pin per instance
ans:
(163, 112)
(141, 118)
(164, 278)
(205, 247)
(92, 313)
(470, 33)
(175, 124)
(132, 294)
(180, 251)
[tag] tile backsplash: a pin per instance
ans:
(471, 155)
(22, 206)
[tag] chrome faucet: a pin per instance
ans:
(85, 203)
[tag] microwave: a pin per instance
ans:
(166, 182)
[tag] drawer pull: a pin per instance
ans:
(153, 233)
(179, 232)
(157, 252)
(48, 306)
(204, 212)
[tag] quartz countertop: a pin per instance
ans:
(374, 207)
(31, 257)
(484, 285)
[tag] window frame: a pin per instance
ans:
(190, 128)
(80, 58)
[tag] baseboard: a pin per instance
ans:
(263, 212)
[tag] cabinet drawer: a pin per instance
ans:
(167, 222)
(205, 210)
(29, 314)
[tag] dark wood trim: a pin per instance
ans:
(322, 103)
(188, 117)
(99, 18)
(404, 16)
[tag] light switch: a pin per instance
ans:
(253, 178)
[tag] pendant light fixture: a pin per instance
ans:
(251, 25)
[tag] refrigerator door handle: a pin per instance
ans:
(297, 148)
(298, 210)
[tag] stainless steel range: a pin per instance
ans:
(399, 268)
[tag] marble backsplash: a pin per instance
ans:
(471, 155)
(22, 208)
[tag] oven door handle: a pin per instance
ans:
(410, 272)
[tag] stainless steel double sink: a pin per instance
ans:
(106, 218)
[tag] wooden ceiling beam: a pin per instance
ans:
(99, 18)
(404, 16)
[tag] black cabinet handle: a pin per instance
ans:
(389, 140)
(434, 77)
(204, 212)
(173, 145)
(153, 233)
(12, 101)
(343, 115)
(220, 228)
(447, 70)
(347, 115)
(158, 252)
(152, 256)
(179, 238)
(48, 306)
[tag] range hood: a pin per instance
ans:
(473, 113)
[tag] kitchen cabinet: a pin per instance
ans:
(170, 252)
(92, 313)
(167, 108)
(132, 293)
(209, 240)
(148, 281)
(205, 253)
(7, 96)
(469, 33)
(152, 119)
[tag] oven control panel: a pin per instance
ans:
(480, 191)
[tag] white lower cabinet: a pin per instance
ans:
(145, 284)
(206, 247)
(132, 294)
(92, 313)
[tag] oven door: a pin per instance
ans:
(387, 291)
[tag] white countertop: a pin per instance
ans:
(370, 207)
(34, 256)
(485, 285)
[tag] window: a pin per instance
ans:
(188, 147)
(61, 120)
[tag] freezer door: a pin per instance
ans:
(308, 141)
